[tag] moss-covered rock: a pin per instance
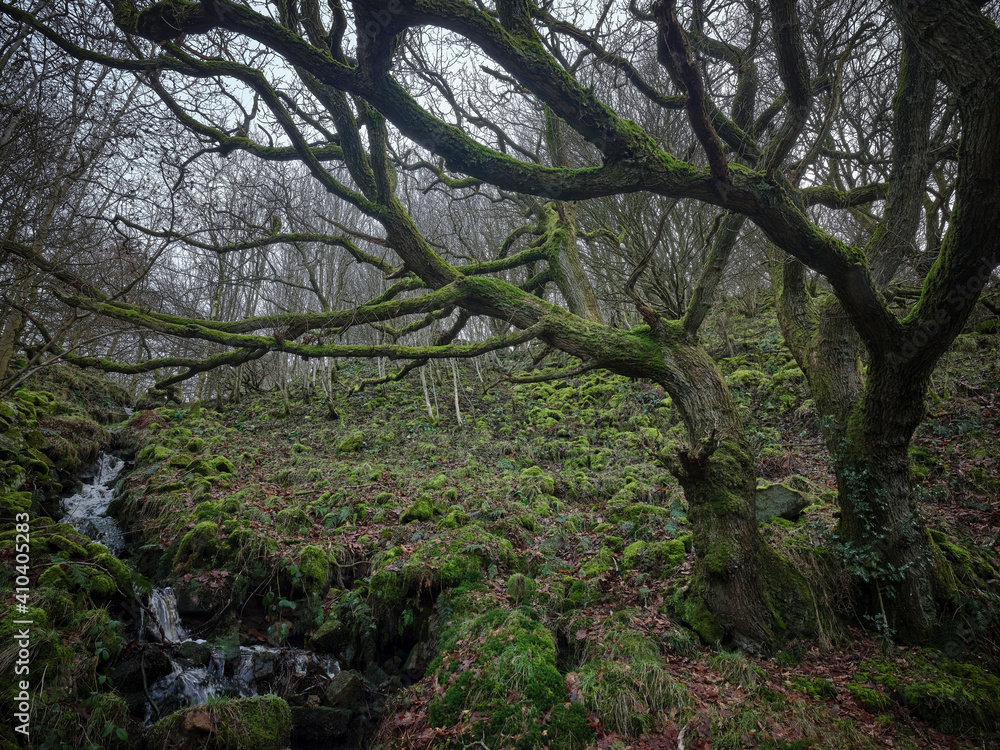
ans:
(261, 723)
(203, 467)
(455, 518)
(785, 499)
(817, 688)
(14, 503)
(314, 566)
(598, 565)
(293, 520)
(450, 558)
(952, 696)
(509, 685)
(421, 509)
(352, 443)
(659, 558)
(180, 460)
(197, 547)
(536, 479)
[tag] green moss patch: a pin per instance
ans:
(511, 693)
(954, 697)
(262, 723)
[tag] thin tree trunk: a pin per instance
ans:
(427, 399)
(458, 409)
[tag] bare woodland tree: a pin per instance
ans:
(527, 105)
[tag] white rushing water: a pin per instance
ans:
(187, 684)
(87, 510)
(192, 685)
(166, 625)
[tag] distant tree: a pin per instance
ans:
(63, 123)
(519, 99)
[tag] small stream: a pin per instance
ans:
(198, 670)
(87, 510)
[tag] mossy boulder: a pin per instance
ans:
(292, 520)
(785, 499)
(197, 547)
(422, 509)
(954, 697)
(161, 453)
(13, 503)
(352, 443)
(816, 688)
(508, 684)
(659, 558)
(536, 479)
(959, 698)
(437, 482)
(180, 460)
(455, 518)
(331, 635)
(259, 723)
(599, 564)
(453, 557)
(203, 467)
(314, 566)
(748, 380)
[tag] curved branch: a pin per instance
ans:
(674, 51)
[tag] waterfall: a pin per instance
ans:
(167, 626)
(87, 510)
(198, 672)
(191, 683)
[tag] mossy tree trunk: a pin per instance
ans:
(883, 538)
(868, 417)
(869, 414)
(560, 235)
(742, 592)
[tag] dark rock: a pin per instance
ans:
(330, 636)
(376, 675)
(346, 690)
(196, 654)
(782, 500)
(130, 681)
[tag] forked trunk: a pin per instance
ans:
(743, 593)
(868, 421)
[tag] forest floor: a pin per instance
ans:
(533, 538)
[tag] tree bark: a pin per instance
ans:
(742, 592)
(883, 537)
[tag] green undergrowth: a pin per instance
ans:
(955, 697)
(51, 427)
(69, 588)
(486, 559)
(496, 679)
(517, 567)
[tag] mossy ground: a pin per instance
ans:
(49, 429)
(540, 533)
